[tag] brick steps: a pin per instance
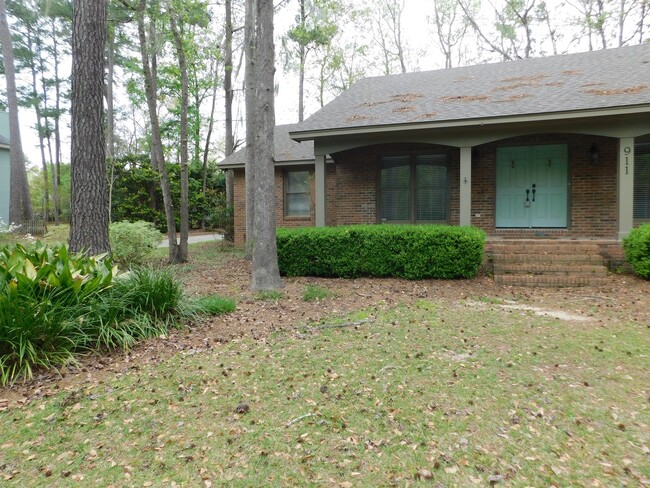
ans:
(547, 263)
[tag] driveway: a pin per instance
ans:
(193, 238)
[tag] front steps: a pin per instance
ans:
(548, 263)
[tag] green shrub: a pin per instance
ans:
(405, 251)
(637, 250)
(132, 242)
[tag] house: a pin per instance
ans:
(554, 148)
(4, 167)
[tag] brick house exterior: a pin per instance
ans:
(471, 119)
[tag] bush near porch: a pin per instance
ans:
(637, 250)
(403, 251)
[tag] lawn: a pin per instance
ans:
(421, 392)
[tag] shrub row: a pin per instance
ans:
(54, 304)
(405, 251)
(637, 250)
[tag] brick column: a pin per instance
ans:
(465, 186)
(625, 186)
(320, 191)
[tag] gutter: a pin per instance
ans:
(308, 135)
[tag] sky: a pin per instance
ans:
(417, 34)
(286, 99)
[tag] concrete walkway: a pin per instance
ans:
(193, 238)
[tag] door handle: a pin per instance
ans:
(534, 190)
(527, 202)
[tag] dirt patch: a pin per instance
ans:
(623, 298)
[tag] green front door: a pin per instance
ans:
(531, 188)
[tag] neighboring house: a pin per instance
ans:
(536, 148)
(4, 167)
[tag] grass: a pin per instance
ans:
(269, 295)
(466, 396)
(315, 292)
(214, 305)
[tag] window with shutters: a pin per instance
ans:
(642, 182)
(414, 189)
(296, 193)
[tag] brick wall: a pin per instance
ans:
(352, 186)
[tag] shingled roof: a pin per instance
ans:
(606, 79)
(286, 150)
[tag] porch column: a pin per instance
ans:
(320, 184)
(465, 186)
(625, 186)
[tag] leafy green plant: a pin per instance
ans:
(43, 313)
(132, 242)
(213, 305)
(637, 250)
(54, 304)
(314, 292)
(405, 251)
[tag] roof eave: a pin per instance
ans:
(289, 162)
(309, 135)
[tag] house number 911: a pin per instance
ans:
(627, 150)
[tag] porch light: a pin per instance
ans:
(594, 154)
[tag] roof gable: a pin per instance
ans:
(610, 78)
(285, 150)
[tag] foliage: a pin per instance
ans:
(37, 191)
(637, 250)
(314, 292)
(137, 194)
(132, 242)
(405, 251)
(43, 292)
(54, 304)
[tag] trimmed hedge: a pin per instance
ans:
(637, 250)
(405, 251)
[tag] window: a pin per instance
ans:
(413, 189)
(296, 193)
(642, 181)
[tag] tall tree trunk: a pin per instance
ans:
(230, 137)
(110, 117)
(20, 207)
(89, 200)
(182, 66)
(39, 121)
(250, 86)
(56, 168)
(157, 154)
(266, 275)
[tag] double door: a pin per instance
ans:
(532, 186)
